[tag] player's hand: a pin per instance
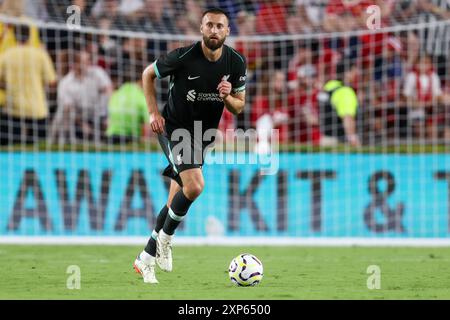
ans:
(157, 123)
(224, 88)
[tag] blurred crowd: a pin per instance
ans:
(268, 16)
(324, 84)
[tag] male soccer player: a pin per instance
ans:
(204, 77)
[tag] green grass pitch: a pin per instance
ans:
(200, 272)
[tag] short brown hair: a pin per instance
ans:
(216, 11)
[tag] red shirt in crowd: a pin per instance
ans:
(297, 130)
(300, 130)
(271, 19)
(356, 8)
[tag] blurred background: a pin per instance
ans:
(393, 61)
(359, 91)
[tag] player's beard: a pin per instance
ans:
(213, 44)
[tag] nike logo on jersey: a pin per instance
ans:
(193, 78)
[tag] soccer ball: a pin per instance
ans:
(245, 270)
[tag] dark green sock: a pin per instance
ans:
(178, 209)
(151, 244)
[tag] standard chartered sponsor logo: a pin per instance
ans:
(202, 96)
(191, 95)
(208, 97)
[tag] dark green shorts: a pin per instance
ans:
(180, 157)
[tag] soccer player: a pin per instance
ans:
(204, 77)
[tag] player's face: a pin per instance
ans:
(215, 30)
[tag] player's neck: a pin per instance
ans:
(210, 54)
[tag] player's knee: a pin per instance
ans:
(193, 190)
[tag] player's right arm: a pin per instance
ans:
(157, 122)
(164, 66)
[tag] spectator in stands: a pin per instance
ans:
(386, 93)
(439, 8)
(271, 17)
(105, 6)
(372, 45)
(338, 105)
(130, 7)
(435, 39)
(24, 72)
(128, 118)
(134, 51)
(327, 61)
(85, 7)
(306, 16)
(342, 15)
(345, 16)
(188, 22)
(270, 110)
(83, 95)
(15, 8)
(303, 108)
(130, 12)
(411, 48)
(302, 63)
(445, 117)
(404, 12)
(158, 17)
(252, 50)
(423, 93)
(110, 9)
(245, 22)
(57, 10)
(312, 56)
(133, 55)
(35, 9)
(107, 45)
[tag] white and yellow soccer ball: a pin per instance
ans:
(245, 270)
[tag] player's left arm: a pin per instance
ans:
(234, 102)
(233, 92)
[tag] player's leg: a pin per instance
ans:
(151, 245)
(147, 256)
(174, 188)
(193, 184)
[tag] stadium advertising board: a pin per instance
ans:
(311, 195)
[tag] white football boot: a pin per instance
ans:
(146, 270)
(164, 251)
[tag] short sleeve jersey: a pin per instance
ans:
(193, 94)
